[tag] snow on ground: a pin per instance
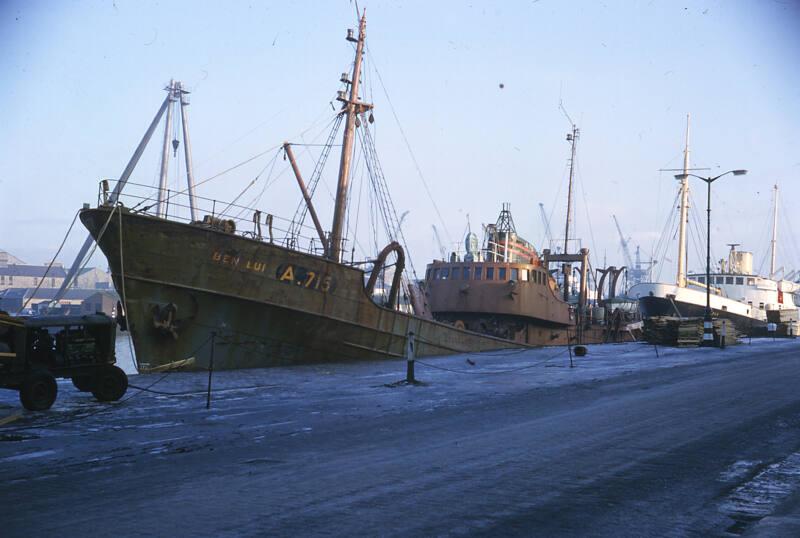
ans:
(361, 387)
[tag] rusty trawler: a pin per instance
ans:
(507, 289)
(266, 295)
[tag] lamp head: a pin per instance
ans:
(681, 176)
(739, 172)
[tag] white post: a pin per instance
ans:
(410, 358)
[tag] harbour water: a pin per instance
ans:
(125, 353)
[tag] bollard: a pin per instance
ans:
(210, 370)
(656, 348)
(569, 348)
(723, 333)
(410, 358)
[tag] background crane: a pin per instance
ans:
(442, 250)
(636, 273)
(547, 233)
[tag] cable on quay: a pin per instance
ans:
(511, 370)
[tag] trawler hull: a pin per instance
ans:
(261, 304)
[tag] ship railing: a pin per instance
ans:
(242, 220)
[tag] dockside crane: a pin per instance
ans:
(439, 242)
(624, 243)
(636, 273)
(548, 234)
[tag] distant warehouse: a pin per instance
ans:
(75, 301)
(35, 286)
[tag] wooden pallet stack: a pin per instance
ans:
(674, 332)
(787, 321)
(782, 316)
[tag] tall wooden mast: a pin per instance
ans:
(774, 241)
(572, 138)
(351, 108)
(681, 278)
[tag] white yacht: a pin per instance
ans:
(737, 293)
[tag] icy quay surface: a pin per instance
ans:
(624, 443)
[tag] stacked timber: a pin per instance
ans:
(782, 316)
(731, 334)
(672, 331)
(786, 322)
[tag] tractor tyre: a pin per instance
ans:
(38, 392)
(110, 384)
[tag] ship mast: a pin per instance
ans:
(162, 184)
(572, 138)
(774, 235)
(351, 108)
(681, 278)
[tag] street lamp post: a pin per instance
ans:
(708, 328)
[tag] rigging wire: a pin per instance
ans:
(660, 251)
(267, 182)
(252, 182)
(302, 209)
(793, 239)
(50, 265)
(696, 227)
(588, 219)
(408, 146)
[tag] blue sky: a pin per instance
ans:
(82, 80)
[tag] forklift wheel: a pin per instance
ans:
(38, 392)
(83, 383)
(110, 384)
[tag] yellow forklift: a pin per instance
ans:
(34, 351)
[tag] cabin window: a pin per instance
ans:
(701, 279)
(725, 308)
(454, 273)
(761, 306)
(523, 275)
(2, 279)
(739, 280)
(720, 280)
(501, 273)
(728, 280)
(490, 273)
(445, 273)
(478, 271)
(436, 273)
(751, 281)
(465, 273)
(514, 273)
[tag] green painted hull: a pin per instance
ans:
(264, 304)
